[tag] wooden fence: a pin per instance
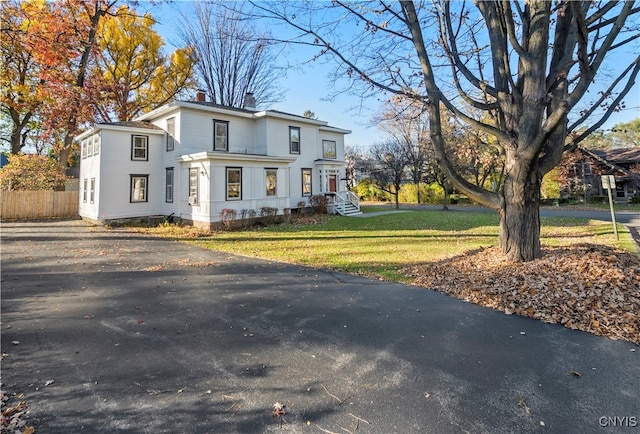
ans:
(38, 204)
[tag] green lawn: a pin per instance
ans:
(380, 246)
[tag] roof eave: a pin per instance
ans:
(209, 155)
(99, 127)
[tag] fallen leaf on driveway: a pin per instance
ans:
(279, 409)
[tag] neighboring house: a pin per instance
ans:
(586, 167)
(192, 160)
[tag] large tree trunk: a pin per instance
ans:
(520, 214)
(16, 140)
(17, 129)
(99, 10)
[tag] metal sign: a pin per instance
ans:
(608, 181)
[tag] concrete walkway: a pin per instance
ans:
(115, 332)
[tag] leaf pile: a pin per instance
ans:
(13, 416)
(586, 287)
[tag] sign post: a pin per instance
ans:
(609, 182)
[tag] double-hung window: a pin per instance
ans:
(139, 148)
(139, 185)
(220, 135)
(92, 193)
(171, 132)
(234, 183)
(193, 186)
(306, 182)
(168, 195)
(271, 178)
(96, 144)
(294, 140)
(85, 182)
(329, 149)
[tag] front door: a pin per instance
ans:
(333, 183)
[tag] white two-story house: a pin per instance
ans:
(191, 160)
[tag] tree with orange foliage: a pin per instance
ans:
(48, 48)
(21, 96)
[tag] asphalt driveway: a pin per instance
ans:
(109, 331)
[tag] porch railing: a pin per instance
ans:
(340, 201)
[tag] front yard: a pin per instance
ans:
(587, 280)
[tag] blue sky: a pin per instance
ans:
(308, 88)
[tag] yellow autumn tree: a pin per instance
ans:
(138, 76)
(31, 172)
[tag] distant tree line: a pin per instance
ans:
(403, 168)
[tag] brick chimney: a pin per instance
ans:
(249, 101)
(201, 96)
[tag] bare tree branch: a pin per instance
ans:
(233, 57)
(613, 106)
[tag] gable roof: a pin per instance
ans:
(620, 156)
(614, 165)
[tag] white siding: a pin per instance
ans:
(170, 159)
(256, 142)
(196, 132)
(116, 168)
(261, 137)
(90, 168)
(213, 186)
(336, 137)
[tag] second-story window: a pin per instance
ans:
(220, 135)
(171, 133)
(329, 149)
(294, 140)
(96, 144)
(139, 148)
